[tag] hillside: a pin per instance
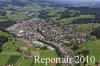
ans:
(48, 28)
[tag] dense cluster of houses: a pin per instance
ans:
(36, 29)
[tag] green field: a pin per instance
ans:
(87, 28)
(17, 16)
(93, 47)
(10, 55)
(43, 54)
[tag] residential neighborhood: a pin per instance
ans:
(39, 33)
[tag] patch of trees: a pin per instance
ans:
(83, 21)
(78, 15)
(43, 14)
(97, 18)
(75, 47)
(2, 13)
(70, 13)
(6, 24)
(96, 33)
(44, 48)
(85, 10)
(84, 53)
(2, 41)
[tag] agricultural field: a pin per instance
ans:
(17, 16)
(87, 28)
(10, 55)
(3, 18)
(93, 48)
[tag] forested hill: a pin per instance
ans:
(55, 2)
(30, 2)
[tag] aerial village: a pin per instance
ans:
(40, 33)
